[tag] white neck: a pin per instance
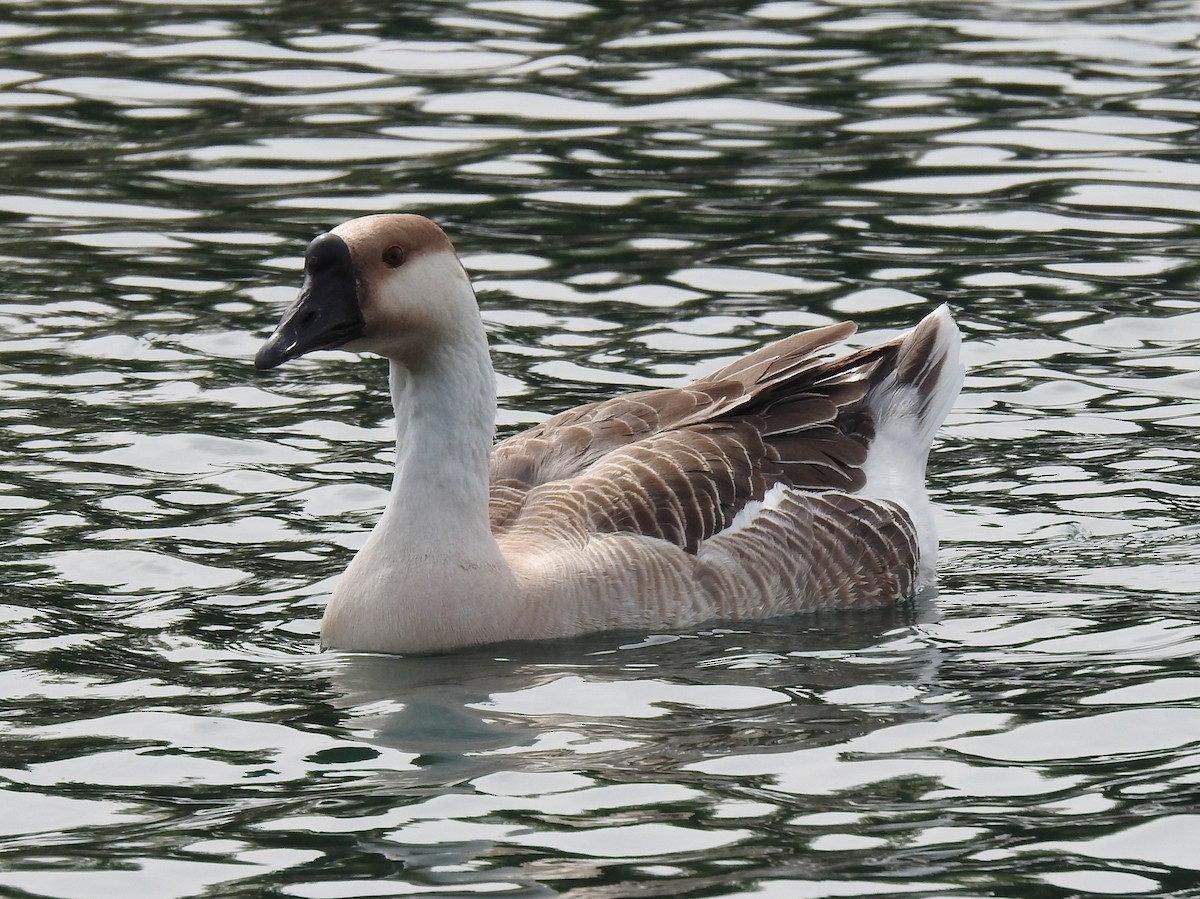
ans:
(445, 422)
(431, 574)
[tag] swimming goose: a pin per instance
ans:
(789, 480)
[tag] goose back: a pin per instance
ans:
(680, 463)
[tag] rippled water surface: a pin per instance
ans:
(639, 190)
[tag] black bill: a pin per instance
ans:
(326, 314)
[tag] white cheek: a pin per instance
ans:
(422, 306)
(428, 293)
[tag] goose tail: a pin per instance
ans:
(910, 396)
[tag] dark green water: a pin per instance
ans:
(639, 190)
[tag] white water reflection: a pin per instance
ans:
(637, 699)
(1168, 841)
(518, 104)
(879, 757)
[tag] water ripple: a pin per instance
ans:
(639, 197)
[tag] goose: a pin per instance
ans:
(792, 479)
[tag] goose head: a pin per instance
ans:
(385, 284)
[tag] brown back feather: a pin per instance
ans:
(679, 463)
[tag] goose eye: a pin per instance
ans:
(394, 256)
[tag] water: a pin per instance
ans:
(639, 192)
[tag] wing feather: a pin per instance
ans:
(680, 463)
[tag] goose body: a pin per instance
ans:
(791, 479)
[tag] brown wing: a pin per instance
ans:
(679, 463)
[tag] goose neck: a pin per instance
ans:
(445, 421)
